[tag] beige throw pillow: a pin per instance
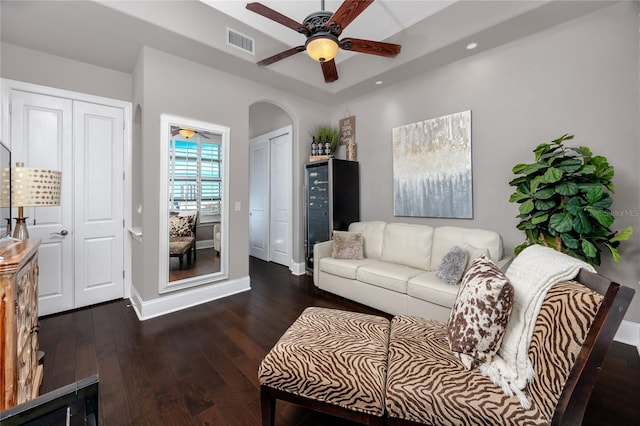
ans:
(347, 245)
(480, 313)
(474, 253)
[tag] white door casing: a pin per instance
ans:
(40, 125)
(99, 193)
(270, 197)
(41, 137)
(259, 198)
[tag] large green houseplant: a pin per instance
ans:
(564, 199)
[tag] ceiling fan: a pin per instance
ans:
(323, 30)
(187, 133)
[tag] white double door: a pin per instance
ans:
(270, 197)
(81, 257)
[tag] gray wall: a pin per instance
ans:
(580, 78)
(31, 66)
(216, 98)
(265, 117)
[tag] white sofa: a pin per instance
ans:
(398, 272)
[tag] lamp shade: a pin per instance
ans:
(5, 187)
(34, 187)
(322, 47)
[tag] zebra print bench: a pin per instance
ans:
(331, 361)
(367, 369)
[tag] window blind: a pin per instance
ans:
(195, 176)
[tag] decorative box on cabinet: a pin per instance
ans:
(21, 373)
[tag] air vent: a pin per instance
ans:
(240, 41)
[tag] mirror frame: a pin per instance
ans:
(166, 121)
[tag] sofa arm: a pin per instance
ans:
(320, 250)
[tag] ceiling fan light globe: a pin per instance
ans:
(186, 133)
(322, 47)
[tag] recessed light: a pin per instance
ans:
(379, 82)
(471, 46)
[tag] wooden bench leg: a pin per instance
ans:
(267, 407)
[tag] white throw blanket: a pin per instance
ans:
(533, 272)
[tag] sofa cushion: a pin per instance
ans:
(445, 237)
(372, 232)
(346, 268)
(408, 245)
(453, 265)
(386, 275)
(427, 286)
(347, 245)
(480, 314)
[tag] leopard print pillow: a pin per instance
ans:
(181, 226)
(480, 313)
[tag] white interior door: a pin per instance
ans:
(270, 197)
(280, 205)
(98, 206)
(81, 257)
(259, 198)
(41, 137)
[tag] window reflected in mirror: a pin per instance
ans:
(195, 202)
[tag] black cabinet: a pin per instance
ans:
(332, 192)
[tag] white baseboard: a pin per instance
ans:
(298, 268)
(629, 333)
(177, 301)
(203, 244)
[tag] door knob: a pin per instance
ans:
(63, 232)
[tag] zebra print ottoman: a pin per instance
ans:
(329, 360)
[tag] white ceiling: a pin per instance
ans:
(379, 21)
(432, 34)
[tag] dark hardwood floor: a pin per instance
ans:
(207, 261)
(199, 366)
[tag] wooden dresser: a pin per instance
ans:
(21, 373)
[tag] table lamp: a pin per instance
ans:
(32, 188)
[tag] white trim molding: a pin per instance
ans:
(298, 268)
(629, 333)
(174, 302)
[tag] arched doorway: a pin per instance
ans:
(270, 184)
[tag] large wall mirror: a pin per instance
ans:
(194, 204)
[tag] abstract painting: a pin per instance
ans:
(432, 174)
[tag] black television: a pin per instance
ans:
(5, 191)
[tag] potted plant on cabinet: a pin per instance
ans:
(325, 133)
(564, 199)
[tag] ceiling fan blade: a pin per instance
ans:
(279, 56)
(379, 48)
(329, 71)
(276, 16)
(347, 12)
